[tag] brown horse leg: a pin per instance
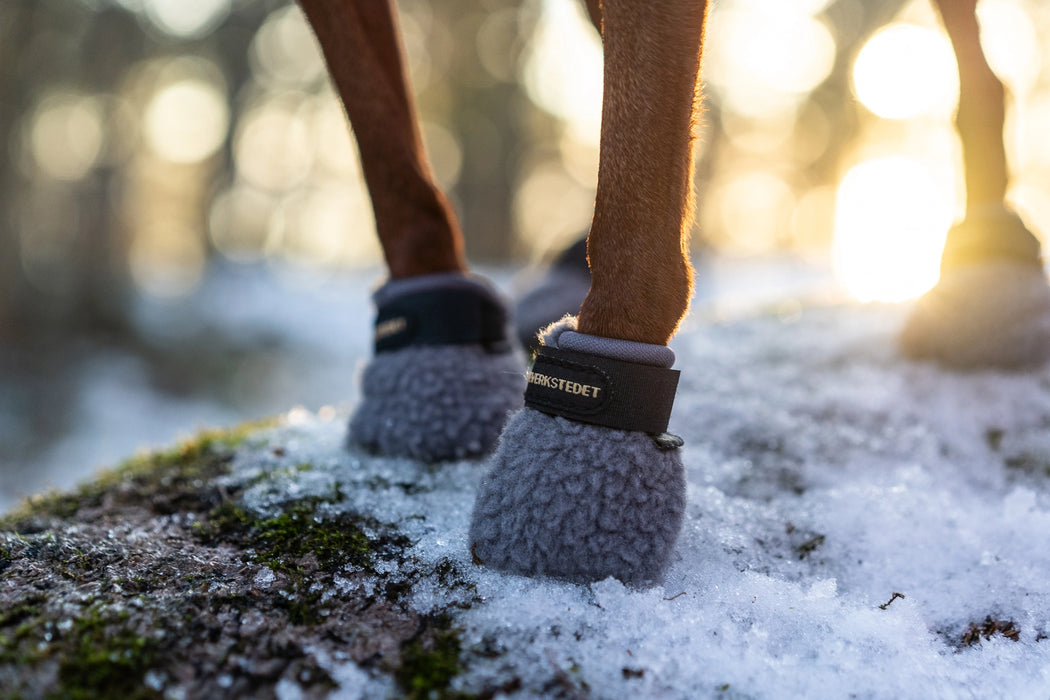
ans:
(416, 226)
(991, 307)
(981, 112)
(443, 379)
(574, 491)
(642, 279)
(989, 231)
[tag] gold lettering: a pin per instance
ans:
(391, 327)
(558, 384)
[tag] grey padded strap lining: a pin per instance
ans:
(563, 335)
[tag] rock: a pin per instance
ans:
(157, 581)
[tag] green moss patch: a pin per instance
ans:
(283, 541)
(105, 658)
(158, 579)
(430, 661)
(301, 542)
(166, 482)
(96, 654)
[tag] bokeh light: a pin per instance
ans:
(754, 208)
(318, 227)
(272, 146)
(563, 68)
(238, 223)
(186, 19)
(66, 135)
(1010, 43)
(764, 56)
(906, 71)
(551, 207)
(443, 152)
(891, 218)
(186, 121)
(284, 51)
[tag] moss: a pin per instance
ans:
(5, 560)
(105, 659)
(299, 541)
(430, 662)
(98, 655)
(282, 541)
(167, 481)
(19, 612)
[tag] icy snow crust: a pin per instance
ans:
(825, 474)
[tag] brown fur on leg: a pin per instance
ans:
(641, 276)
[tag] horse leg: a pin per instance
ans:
(584, 485)
(444, 378)
(991, 307)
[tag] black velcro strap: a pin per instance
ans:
(442, 317)
(601, 390)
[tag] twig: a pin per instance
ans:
(894, 597)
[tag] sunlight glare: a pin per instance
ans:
(766, 56)
(891, 218)
(186, 121)
(1010, 43)
(187, 19)
(907, 71)
(563, 68)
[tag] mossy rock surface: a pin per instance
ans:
(857, 524)
(158, 580)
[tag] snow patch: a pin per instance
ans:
(826, 474)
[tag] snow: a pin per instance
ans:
(323, 321)
(825, 475)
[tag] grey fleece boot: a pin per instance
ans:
(444, 378)
(991, 307)
(580, 501)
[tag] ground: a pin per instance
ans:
(858, 525)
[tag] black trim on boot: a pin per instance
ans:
(601, 391)
(442, 317)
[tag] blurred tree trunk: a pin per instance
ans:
(42, 45)
(13, 13)
(488, 110)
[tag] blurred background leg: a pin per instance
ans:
(991, 306)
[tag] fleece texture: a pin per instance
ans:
(576, 501)
(436, 402)
(993, 315)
